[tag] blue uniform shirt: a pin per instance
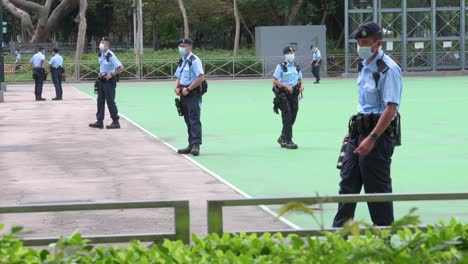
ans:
(37, 58)
(374, 99)
(110, 66)
(316, 55)
(189, 74)
(291, 77)
(56, 61)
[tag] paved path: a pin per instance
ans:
(49, 154)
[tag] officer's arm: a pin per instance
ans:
(386, 118)
(197, 82)
(280, 84)
(118, 71)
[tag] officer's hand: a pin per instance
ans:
(365, 147)
(289, 89)
(177, 91)
(301, 89)
(108, 76)
(185, 91)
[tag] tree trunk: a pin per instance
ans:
(46, 24)
(247, 28)
(27, 28)
(184, 15)
(81, 38)
(237, 35)
(139, 40)
(155, 34)
(292, 17)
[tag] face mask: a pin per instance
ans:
(182, 51)
(365, 52)
(289, 57)
(102, 47)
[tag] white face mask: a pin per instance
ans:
(289, 57)
(102, 47)
(365, 52)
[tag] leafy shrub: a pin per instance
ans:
(441, 243)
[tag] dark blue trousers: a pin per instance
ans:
(57, 80)
(289, 111)
(106, 94)
(38, 75)
(316, 70)
(371, 171)
(191, 110)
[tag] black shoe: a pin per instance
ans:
(195, 150)
(186, 150)
(57, 98)
(289, 145)
(316, 82)
(280, 140)
(39, 98)
(97, 124)
(114, 125)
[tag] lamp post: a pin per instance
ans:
(2, 64)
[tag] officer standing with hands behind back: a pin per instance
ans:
(190, 76)
(374, 131)
(56, 70)
(39, 74)
(288, 87)
(109, 68)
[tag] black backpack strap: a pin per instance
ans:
(298, 67)
(191, 59)
(283, 66)
(382, 68)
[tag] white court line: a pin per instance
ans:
(213, 174)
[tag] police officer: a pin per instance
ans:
(109, 68)
(190, 75)
(56, 71)
(288, 86)
(316, 62)
(374, 130)
(39, 75)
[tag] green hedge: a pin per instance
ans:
(442, 243)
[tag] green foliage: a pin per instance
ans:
(441, 243)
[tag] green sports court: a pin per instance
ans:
(240, 132)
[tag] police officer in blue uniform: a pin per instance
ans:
(39, 74)
(56, 71)
(109, 69)
(374, 130)
(316, 62)
(287, 80)
(190, 75)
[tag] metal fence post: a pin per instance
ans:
(215, 217)
(182, 221)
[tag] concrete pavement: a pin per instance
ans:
(48, 154)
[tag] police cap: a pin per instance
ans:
(367, 29)
(105, 39)
(186, 41)
(288, 49)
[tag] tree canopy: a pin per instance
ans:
(211, 23)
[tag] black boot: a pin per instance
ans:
(97, 124)
(280, 140)
(186, 150)
(289, 145)
(57, 98)
(114, 125)
(39, 98)
(195, 150)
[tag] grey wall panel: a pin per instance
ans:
(270, 42)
